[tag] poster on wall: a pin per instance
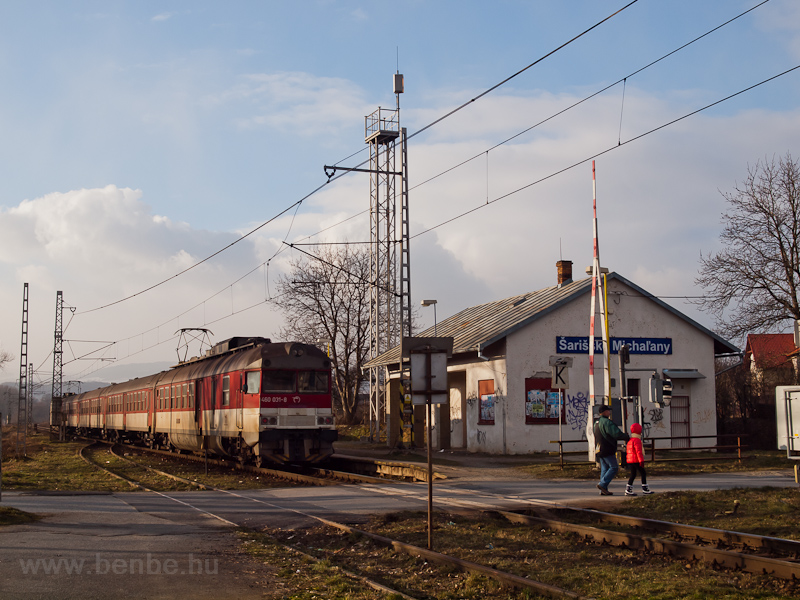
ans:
(553, 404)
(487, 408)
(542, 403)
(535, 404)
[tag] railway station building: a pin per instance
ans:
(501, 399)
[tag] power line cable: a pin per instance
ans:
(296, 204)
(551, 117)
(590, 96)
(197, 264)
(606, 151)
(507, 79)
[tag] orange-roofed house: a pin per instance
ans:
(746, 393)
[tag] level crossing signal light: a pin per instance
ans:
(660, 391)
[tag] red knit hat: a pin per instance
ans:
(636, 428)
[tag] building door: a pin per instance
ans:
(457, 383)
(679, 421)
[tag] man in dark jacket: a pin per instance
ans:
(606, 435)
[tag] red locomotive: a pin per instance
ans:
(247, 398)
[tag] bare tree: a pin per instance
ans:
(327, 301)
(5, 357)
(752, 284)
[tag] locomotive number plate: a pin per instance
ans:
(288, 400)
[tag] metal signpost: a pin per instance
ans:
(428, 358)
(559, 380)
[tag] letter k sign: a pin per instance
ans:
(560, 378)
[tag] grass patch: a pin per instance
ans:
(352, 433)
(773, 512)
(694, 463)
(300, 577)
(218, 477)
(558, 559)
(55, 466)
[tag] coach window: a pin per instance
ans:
(184, 396)
(278, 381)
(172, 403)
(253, 382)
(191, 395)
(312, 382)
(226, 391)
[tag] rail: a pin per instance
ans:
(651, 447)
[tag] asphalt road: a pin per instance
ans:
(182, 545)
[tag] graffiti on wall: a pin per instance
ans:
(656, 415)
(577, 409)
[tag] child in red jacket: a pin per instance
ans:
(635, 456)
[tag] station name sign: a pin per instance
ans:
(636, 345)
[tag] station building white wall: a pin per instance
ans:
(527, 354)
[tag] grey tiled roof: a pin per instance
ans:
(476, 327)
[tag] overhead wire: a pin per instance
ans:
(297, 204)
(590, 96)
(330, 180)
(606, 151)
(551, 117)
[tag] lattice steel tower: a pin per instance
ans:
(30, 394)
(390, 288)
(56, 396)
(22, 405)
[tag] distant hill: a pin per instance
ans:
(121, 373)
(111, 374)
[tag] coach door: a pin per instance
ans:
(679, 421)
(195, 396)
(238, 400)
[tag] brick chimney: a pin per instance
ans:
(564, 272)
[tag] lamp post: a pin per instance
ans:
(429, 303)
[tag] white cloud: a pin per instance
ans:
(295, 102)
(659, 206)
(101, 245)
(162, 16)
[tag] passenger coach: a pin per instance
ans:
(246, 398)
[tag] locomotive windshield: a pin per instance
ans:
(304, 382)
(278, 381)
(313, 382)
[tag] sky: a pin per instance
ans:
(138, 138)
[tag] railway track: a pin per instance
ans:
(506, 579)
(303, 475)
(734, 550)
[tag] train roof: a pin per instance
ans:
(234, 354)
